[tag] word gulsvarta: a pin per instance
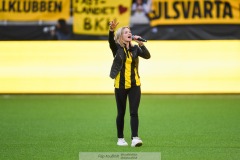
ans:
(192, 9)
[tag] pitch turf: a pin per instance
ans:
(58, 127)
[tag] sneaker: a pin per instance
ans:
(136, 142)
(122, 142)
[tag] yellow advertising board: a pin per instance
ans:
(178, 12)
(92, 16)
(33, 10)
(83, 67)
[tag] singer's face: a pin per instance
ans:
(127, 35)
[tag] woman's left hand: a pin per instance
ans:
(140, 43)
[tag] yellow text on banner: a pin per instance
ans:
(92, 16)
(32, 10)
(165, 12)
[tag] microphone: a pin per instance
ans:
(139, 39)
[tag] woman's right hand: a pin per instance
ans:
(113, 24)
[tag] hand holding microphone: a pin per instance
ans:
(138, 38)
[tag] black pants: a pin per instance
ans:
(134, 95)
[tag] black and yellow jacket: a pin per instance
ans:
(120, 56)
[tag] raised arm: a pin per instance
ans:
(112, 44)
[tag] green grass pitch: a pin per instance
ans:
(58, 127)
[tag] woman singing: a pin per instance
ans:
(127, 81)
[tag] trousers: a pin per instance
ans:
(134, 95)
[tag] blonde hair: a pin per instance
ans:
(118, 36)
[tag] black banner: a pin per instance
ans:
(166, 32)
